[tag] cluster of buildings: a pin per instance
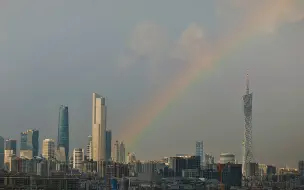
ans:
(56, 154)
(99, 162)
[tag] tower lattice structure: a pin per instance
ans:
(247, 143)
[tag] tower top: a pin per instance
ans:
(247, 84)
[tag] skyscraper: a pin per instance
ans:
(99, 128)
(122, 152)
(11, 144)
(199, 151)
(108, 145)
(89, 148)
(78, 158)
(117, 152)
(63, 129)
(1, 152)
(29, 142)
(247, 143)
(48, 149)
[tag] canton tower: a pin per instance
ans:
(247, 143)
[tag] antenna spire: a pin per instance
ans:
(247, 83)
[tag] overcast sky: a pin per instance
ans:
(59, 52)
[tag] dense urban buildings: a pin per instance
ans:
(29, 143)
(63, 129)
(108, 145)
(48, 149)
(95, 160)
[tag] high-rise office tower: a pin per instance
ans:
(63, 129)
(122, 152)
(108, 145)
(117, 152)
(1, 152)
(247, 143)
(78, 158)
(89, 148)
(48, 149)
(199, 151)
(29, 143)
(99, 128)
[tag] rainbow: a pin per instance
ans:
(158, 107)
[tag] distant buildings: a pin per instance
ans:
(89, 148)
(226, 158)
(108, 145)
(122, 153)
(11, 144)
(131, 157)
(301, 167)
(1, 152)
(185, 164)
(78, 158)
(209, 159)
(29, 143)
(48, 149)
(63, 129)
(199, 151)
(119, 152)
(10, 150)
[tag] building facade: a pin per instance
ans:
(89, 148)
(116, 152)
(199, 151)
(122, 153)
(63, 129)
(29, 143)
(178, 164)
(78, 158)
(98, 128)
(48, 149)
(1, 152)
(11, 144)
(108, 145)
(226, 158)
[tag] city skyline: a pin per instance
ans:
(151, 67)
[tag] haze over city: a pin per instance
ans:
(172, 73)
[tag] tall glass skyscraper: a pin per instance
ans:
(30, 141)
(199, 151)
(108, 144)
(63, 129)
